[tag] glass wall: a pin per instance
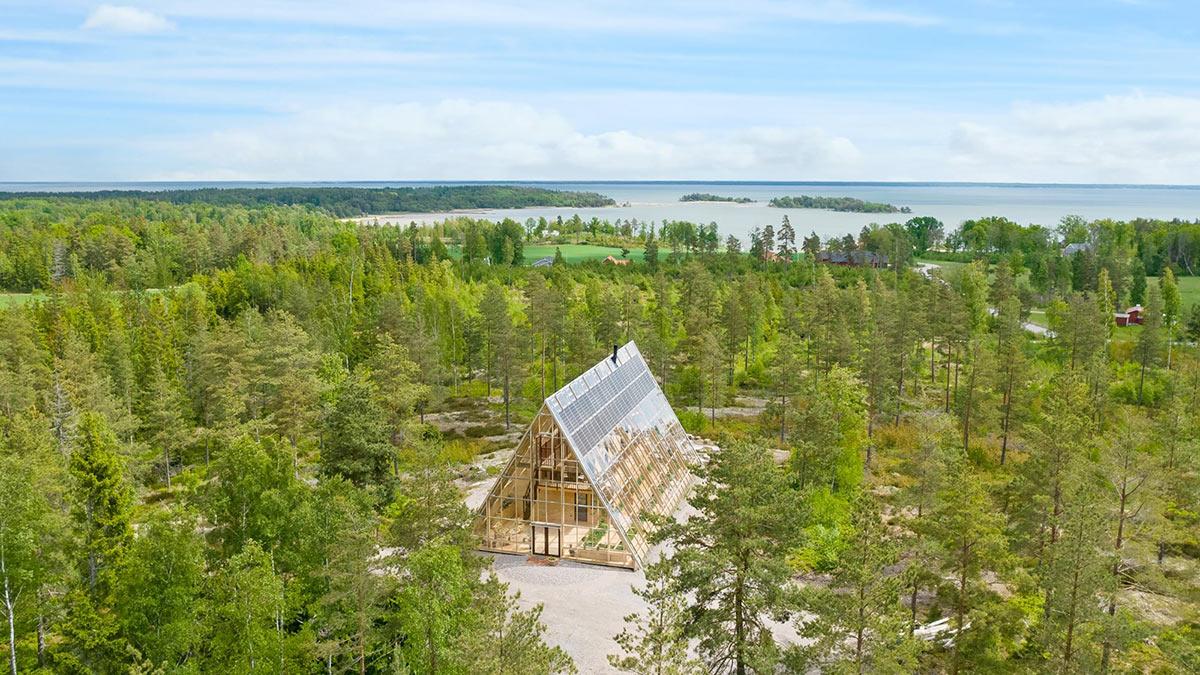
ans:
(560, 497)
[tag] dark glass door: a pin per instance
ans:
(547, 540)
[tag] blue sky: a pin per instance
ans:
(1071, 91)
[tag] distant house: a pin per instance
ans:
(853, 259)
(548, 261)
(615, 261)
(771, 256)
(1129, 317)
(1071, 249)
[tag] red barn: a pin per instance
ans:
(1129, 317)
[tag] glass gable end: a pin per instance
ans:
(604, 451)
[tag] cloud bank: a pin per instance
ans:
(1123, 139)
(1129, 138)
(464, 139)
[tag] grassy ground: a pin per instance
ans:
(14, 299)
(1189, 290)
(948, 266)
(574, 253)
(1189, 293)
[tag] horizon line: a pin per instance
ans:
(434, 182)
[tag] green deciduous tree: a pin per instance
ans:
(243, 611)
(159, 590)
(28, 521)
(1172, 308)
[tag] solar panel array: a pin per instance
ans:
(595, 402)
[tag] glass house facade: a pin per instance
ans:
(602, 452)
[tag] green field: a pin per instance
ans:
(946, 265)
(1189, 290)
(14, 299)
(1189, 293)
(572, 253)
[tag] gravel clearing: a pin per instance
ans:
(584, 605)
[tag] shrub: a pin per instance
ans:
(484, 430)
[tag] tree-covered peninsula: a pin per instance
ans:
(354, 201)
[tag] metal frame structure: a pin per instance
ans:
(603, 452)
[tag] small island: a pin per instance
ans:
(706, 197)
(847, 204)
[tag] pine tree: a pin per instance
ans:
(968, 533)
(1060, 434)
(858, 624)
(1178, 432)
(1011, 381)
(1127, 469)
(356, 443)
(163, 420)
(732, 556)
(650, 255)
(1148, 350)
(502, 638)
(1077, 576)
(654, 643)
(102, 504)
(812, 245)
(785, 377)
(787, 240)
(288, 386)
(768, 240)
(428, 508)
(506, 344)
(711, 371)
(397, 385)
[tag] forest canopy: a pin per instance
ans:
(239, 440)
(354, 201)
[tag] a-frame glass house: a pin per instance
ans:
(601, 453)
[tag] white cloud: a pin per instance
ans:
(1131, 138)
(123, 19)
(463, 139)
